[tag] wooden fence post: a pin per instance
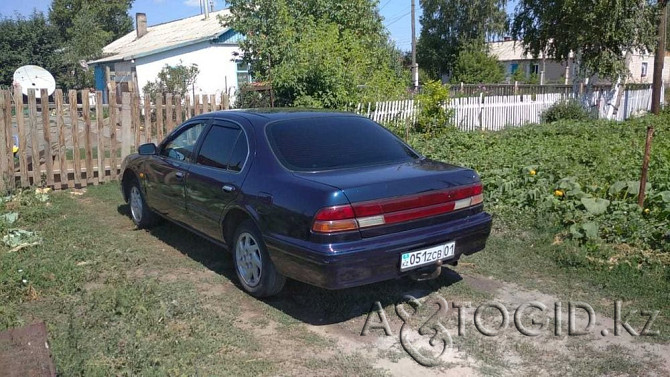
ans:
(34, 140)
(46, 126)
(3, 143)
(126, 125)
(60, 127)
(74, 122)
(189, 108)
(137, 128)
(23, 143)
(169, 109)
(645, 166)
(159, 117)
(147, 119)
(9, 141)
(179, 110)
(225, 101)
(99, 117)
(205, 104)
(113, 120)
(196, 105)
(86, 111)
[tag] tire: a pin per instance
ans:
(253, 266)
(142, 216)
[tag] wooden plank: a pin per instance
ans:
(34, 140)
(147, 119)
(196, 105)
(159, 118)
(225, 101)
(86, 110)
(4, 177)
(46, 128)
(60, 127)
(114, 144)
(212, 101)
(100, 121)
(137, 128)
(126, 124)
(179, 110)
(205, 104)
(189, 108)
(169, 111)
(9, 140)
(74, 130)
(60, 130)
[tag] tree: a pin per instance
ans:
(600, 32)
(475, 66)
(175, 80)
(110, 15)
(25, 41)
(348, 49)
(329, 68)
(449, 25)
(85, 27)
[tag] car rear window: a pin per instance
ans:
(335, 142)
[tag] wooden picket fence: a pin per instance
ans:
(66, 142)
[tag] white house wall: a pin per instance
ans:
(218, 69)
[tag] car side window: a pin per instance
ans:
(239, 154)
(219, 145)
(182, 147)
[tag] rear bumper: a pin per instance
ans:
(350, 264)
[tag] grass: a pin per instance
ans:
(116, 303)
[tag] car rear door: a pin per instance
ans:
(166, 172)
(216, 177)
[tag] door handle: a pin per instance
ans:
(228, 188)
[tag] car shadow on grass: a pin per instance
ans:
(303, 302)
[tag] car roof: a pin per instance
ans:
(265, 116)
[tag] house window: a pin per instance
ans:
(535, 69)
(243, 76)
(645, 69)
(513, 68)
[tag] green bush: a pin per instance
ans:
(433, 114)
(569, 109)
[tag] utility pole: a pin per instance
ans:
(415, 67)
(660, 57)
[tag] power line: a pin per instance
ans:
(385, 4)
(398, 19)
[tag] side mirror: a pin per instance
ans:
(147, 149)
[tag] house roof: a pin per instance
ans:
(512, 51)
(163, 37)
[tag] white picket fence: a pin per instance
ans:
(498, 112)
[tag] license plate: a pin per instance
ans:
(427, 256)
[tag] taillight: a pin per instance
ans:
(396, 210)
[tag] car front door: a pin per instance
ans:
(216, 177)
(167, 171)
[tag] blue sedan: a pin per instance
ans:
(330, 199)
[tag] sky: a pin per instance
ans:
(396, 13)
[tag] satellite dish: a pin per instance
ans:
(34, 77)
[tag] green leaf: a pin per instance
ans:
(617, 187)
(665, 196)
(10, 218)
(634, 187)
(595, 206)
(591, 230)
